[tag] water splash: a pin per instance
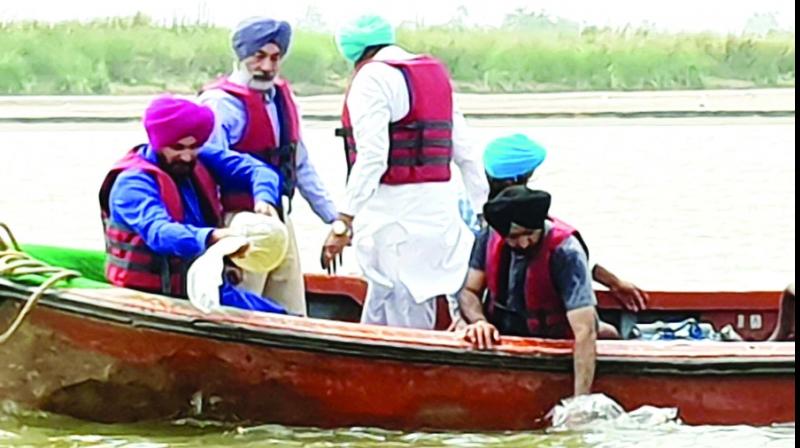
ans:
(599, 412)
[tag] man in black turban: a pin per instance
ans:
(537, 274)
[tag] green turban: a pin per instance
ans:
(366, 31)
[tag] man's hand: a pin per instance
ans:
(629, 295)
(332, 249)
(335, 243)
(218, 234)
(265, 208)
(482, 335)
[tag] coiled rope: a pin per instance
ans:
(13, 263)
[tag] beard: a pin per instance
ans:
(256, 80)
(261, 81)
(180, 169)
(525, 252)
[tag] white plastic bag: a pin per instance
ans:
(268, 240)
(205, 275)
(598, 411)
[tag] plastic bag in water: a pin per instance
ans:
(598, 410)
(583, 409)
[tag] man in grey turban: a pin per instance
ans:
(256, 114)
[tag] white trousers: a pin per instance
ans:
(395, 307)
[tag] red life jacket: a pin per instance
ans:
(258, 137)
(546, 314)
(421, 143)
(130, 263)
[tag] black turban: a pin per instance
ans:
(517, 205)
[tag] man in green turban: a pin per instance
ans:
(402, 133)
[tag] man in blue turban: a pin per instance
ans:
(257, 115)
(508, 160)
(511, 160)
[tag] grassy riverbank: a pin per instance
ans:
(134, 55)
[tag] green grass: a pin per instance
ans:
(133, 55)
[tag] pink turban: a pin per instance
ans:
(169, 120)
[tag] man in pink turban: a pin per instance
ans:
(161, 208)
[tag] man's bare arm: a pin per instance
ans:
(584, 326)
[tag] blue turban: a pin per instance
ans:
(366, 31)
(512, 156)
(252, 34)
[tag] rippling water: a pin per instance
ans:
(38, 429)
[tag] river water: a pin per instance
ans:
(31, 429)
(671, 204)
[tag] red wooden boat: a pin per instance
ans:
(109, 354)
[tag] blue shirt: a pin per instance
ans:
(135, 202)
(231, 118)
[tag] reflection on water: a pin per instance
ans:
(37, 429)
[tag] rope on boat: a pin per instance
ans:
(8, 238)
(14, 262)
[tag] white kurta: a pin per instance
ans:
(409, 239)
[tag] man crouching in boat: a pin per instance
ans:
(160, 203)
(511, 160)
(537, 273)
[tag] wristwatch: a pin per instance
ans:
(340, 228)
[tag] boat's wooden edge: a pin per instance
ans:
(151, 311)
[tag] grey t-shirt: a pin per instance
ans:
(569, 269)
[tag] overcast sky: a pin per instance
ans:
(674, 15)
